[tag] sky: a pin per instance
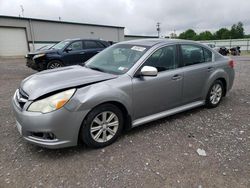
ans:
(139, 17)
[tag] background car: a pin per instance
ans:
(223, 51)
(124, 86)
(210, 45)
(235, 51)
(45, 47)
(65, 53)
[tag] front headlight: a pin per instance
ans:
(38, 55)
(51, 103)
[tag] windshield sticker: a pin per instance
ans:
(122, 68)
(138, 48)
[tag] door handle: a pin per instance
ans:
(210, 69)
(82, 52)
(176, 77)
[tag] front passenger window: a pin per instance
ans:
(163, 59)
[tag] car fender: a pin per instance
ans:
(216, 74)
(89, 97)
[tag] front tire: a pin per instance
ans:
(54, 64)
(215, 94)
(102, 126)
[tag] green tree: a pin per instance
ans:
(205, 35)
(189, 34)
(237, 31)
(247, 36)
(222, 33)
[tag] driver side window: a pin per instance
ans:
(75, 46)
(163, 59)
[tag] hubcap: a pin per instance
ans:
(216, 94)
(104, 126)
(54, 65)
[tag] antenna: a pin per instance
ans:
(22, 10)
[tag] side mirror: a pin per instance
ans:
(149, 71)
(68, 50)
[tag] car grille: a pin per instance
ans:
(21, 98)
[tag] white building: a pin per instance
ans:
(19, 35)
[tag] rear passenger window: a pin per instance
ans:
(192, 54)
(92, 44)
(163, 59)
(207, 55)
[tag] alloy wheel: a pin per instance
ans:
(215, 94)
(104, 126)
(55, 65)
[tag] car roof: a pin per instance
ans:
(83, 39)
(153, 42)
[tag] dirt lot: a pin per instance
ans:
(159, 154)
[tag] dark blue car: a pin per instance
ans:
(65, 53)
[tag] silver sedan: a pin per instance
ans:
(124, 86)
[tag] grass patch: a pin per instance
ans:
(243, 53)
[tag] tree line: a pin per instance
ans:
(236, 32)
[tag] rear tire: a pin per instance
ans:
(215, 94)
(102, 126)
(54, 64)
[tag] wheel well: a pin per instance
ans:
(55, 60)
(224, 85)
(49, 61)
(127, 117)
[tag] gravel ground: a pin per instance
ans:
(159, 154)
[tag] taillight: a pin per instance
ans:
(231, 63)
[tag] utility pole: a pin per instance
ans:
(158, 29)
(22, 10)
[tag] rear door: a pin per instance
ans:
(198, 66)
(152, 95)
(91, 48)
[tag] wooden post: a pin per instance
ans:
(248, 45)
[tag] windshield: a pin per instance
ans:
(117, 59)
(60, 45)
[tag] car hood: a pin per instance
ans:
(45, 82)
(42, 52)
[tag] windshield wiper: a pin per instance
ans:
(95, 68)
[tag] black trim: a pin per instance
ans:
(55, 21)
(179, 54)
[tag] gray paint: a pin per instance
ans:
(145, 98)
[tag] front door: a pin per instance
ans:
(152, 95)
(74, 53)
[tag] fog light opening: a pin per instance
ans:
(45, 136)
